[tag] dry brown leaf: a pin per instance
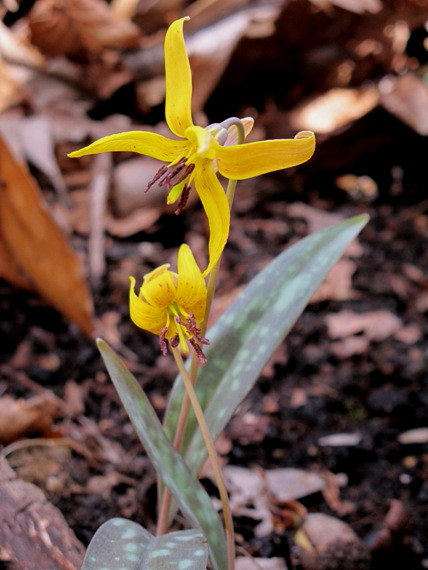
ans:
(130, 180)
(289, 483)
(335, 109)
(21, 417)
(255, 493)
(406, 98)
(357, 6)
(10, 271)
(412, 436)
(11, 92)
(31, 138)
(327, 542)
(72, 26)
(315, 218)
(338, 283)
(375, 325)
(37, 244)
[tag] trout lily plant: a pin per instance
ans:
(226, 360)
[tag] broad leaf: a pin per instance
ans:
(120, 544)
(247, 334)
(187, 490)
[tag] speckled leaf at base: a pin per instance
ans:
(253, 326)
(187, 490)
(120, 544)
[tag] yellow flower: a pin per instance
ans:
(172, 305)
(199, 152)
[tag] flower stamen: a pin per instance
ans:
(162, 341)
(184, 196)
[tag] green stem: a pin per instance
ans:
(209, 444)
(165, 501)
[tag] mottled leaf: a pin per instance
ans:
(247, 334)
(187, 490)
(120, 544)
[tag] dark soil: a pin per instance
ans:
(315, 385)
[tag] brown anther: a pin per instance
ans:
(174, 341)
(162, 341)
(170, 176)
(156, 177)
(178, 176)
(192, 327)
(184, 196)
(198, 351)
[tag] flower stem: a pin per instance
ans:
(228, 522)
(165, 501)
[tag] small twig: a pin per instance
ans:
(98, 194)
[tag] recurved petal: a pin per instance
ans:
(216, 207)
(191, 288)
(159, 291)
(178, 77)
(143, 142)
(145, 316)
(252, 159)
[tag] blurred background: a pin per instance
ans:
(344, 398)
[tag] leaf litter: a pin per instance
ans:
(345, 391)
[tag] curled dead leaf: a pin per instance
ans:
(326, 542)
(68, 28)
(22, 417)
(37, 245)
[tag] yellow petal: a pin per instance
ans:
(178, 76)
(155, 273)
(191, 288)
(145, 316)
(216, 207)
(159, 291)
(143, 142)
(252, 159)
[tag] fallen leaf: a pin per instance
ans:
(417, 435)
(137, 221)
(350, 346)
(37, 244)
(335, 109)
(32, 139)
(406, 98)
(256, 493)
(375, 325)
(357, 6)
(290, 483)
(337, 285)
(10, 271)
(315, 218)
(78, 25)
(130, 181)
(22, 417)
(11, 91)
(340, 440)
(327, 542)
